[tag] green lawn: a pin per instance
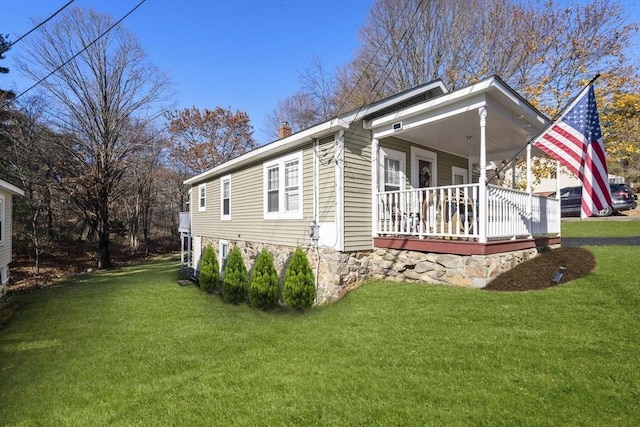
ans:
(602, 228)
(132, 347)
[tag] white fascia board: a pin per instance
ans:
(276, 147)
(392, 100)
(465, 94)
(11, 188)
(427, 117)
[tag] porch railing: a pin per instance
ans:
(454, 212)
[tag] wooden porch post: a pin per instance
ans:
(374, 186)
(529, 190)
(482, 226)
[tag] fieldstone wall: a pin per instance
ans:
(339, 272)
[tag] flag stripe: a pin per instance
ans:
(575, 140)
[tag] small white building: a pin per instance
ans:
(7, 191)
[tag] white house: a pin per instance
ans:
(7, 191)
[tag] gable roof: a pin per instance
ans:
(453, 117)
(343, 121)
(4, 185)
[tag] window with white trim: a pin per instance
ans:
(225, 198)
(202, 197)
(223, 250)
(283, 188)
(459, 176)
(392, 170)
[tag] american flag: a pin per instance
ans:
(575, 140)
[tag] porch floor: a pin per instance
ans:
(463, 247)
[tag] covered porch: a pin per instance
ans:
(448, 219)
(435, 186)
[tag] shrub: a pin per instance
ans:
(264, 290)
(299, 289)
(235, 285)
(209, 278)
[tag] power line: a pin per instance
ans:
(6, 104)
(41, 24)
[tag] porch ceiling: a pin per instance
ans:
(460, 135)
(451, 123)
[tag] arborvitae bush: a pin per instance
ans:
(235, 285)
(264, 290)
(209, 278)
(299, 289)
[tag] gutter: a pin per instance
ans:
(276, 147)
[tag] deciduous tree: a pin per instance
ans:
(204, 139)
(97, 97)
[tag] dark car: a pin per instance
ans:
(623, 200)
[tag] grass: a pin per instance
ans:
(132, 347)
(600, 228)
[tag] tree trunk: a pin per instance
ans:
(104, 260)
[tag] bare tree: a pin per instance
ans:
(314, 103)
(28, 159)
(541, 48)
(97, 96)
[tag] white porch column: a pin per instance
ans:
(374, 186)
(529, 190)
(339, 188)
(482, 220)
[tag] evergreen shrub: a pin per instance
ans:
(264, 290)
(235, 285)
(299, 290)
(209, 278)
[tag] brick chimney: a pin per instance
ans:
(284, 130)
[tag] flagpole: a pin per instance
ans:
(551, 122)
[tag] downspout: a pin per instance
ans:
(483, 176)
(315, 231)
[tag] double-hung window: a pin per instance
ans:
(202, 197)
(225, 198)
(283, 188)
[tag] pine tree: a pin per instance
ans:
(299, 289)
(235, 286)
(209, 278)
(264, 290)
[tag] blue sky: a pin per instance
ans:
(242, 54)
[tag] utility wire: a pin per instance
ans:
(41, 24)
(6, 104)
(375, 90)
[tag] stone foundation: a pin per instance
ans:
(339, 272)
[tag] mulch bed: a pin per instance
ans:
(537, 273)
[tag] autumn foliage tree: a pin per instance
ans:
(545, 49)
(204, 139)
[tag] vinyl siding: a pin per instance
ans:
(445, 160)
(247, 207)
(327, 181)
(5, 246)
(357, 189)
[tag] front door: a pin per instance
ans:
(423, 168)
